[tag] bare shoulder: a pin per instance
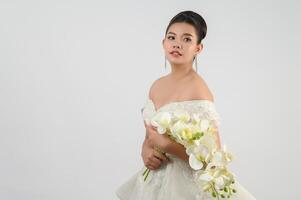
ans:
(155, 86)
(200, 89)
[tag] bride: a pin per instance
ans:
(171, 177)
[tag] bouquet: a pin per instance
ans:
(198, 137)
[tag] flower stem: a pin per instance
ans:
(144, 171)
(148, 170)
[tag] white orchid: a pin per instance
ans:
(161, 121)
(206, 177)
(195, 162)
(198, 137)
(177, 128)
(209, 142)
(219, 182)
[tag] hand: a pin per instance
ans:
(152, 158)
(160, 141)
(164, 143)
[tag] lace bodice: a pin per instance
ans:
(205, 108)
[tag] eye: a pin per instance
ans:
(170, 37)
(188, 39)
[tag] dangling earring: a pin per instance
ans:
(196, 63)
(165, 62)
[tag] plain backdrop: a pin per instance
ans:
(74, 76)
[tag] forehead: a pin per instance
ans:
(181, 28)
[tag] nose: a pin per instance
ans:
(177, 46)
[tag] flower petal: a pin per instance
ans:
(195, 163)
(206, 177)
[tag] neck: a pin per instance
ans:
(181, 70)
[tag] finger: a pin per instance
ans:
(151, 165)
(155, 161)
(154, 166)
(160, 156)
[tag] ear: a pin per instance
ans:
(163, 42)
(199, 48)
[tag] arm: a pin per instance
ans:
(152, 159)
(176, 149)
(166, 144)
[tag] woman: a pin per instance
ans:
(171, 177)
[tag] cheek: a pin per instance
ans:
(166, 49)
(190, 52)
(166, 44)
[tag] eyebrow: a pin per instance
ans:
(183, 34)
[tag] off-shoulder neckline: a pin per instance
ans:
(176, 102)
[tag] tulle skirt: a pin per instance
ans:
(173, 181)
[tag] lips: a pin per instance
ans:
(175, 53)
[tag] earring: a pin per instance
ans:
(165, 62)
(196, 63)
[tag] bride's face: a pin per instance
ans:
(181, 37)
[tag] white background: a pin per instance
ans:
(74, 76)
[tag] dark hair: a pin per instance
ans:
(194, 19)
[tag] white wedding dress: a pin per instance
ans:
(174, 179)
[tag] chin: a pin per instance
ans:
(176, 62)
